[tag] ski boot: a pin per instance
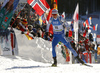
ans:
(55, 62)
(79, 60)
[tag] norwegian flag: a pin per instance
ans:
(40, 6)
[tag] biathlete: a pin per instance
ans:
(58, 35)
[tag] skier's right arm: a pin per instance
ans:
(47, 28)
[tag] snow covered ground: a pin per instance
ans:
(16, 64)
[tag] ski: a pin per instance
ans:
(87, 65)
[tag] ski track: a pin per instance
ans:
(9, 64)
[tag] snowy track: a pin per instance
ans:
(19, 65)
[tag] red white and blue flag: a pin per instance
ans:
(40, 6)
(95, 27)
(88, 21)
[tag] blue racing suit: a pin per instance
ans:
(58, 36)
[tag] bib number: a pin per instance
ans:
(56, 27)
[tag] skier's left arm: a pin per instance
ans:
(65, 24)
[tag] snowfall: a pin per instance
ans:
(35, 56)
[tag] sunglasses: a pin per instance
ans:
(54, 14)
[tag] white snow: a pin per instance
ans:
(9, 64)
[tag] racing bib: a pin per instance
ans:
(57, 28)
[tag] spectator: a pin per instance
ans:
(17, 22)
(30, 30)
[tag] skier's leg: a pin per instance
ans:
(66, 43)
(54, 43)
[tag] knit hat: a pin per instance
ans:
(54, 11)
